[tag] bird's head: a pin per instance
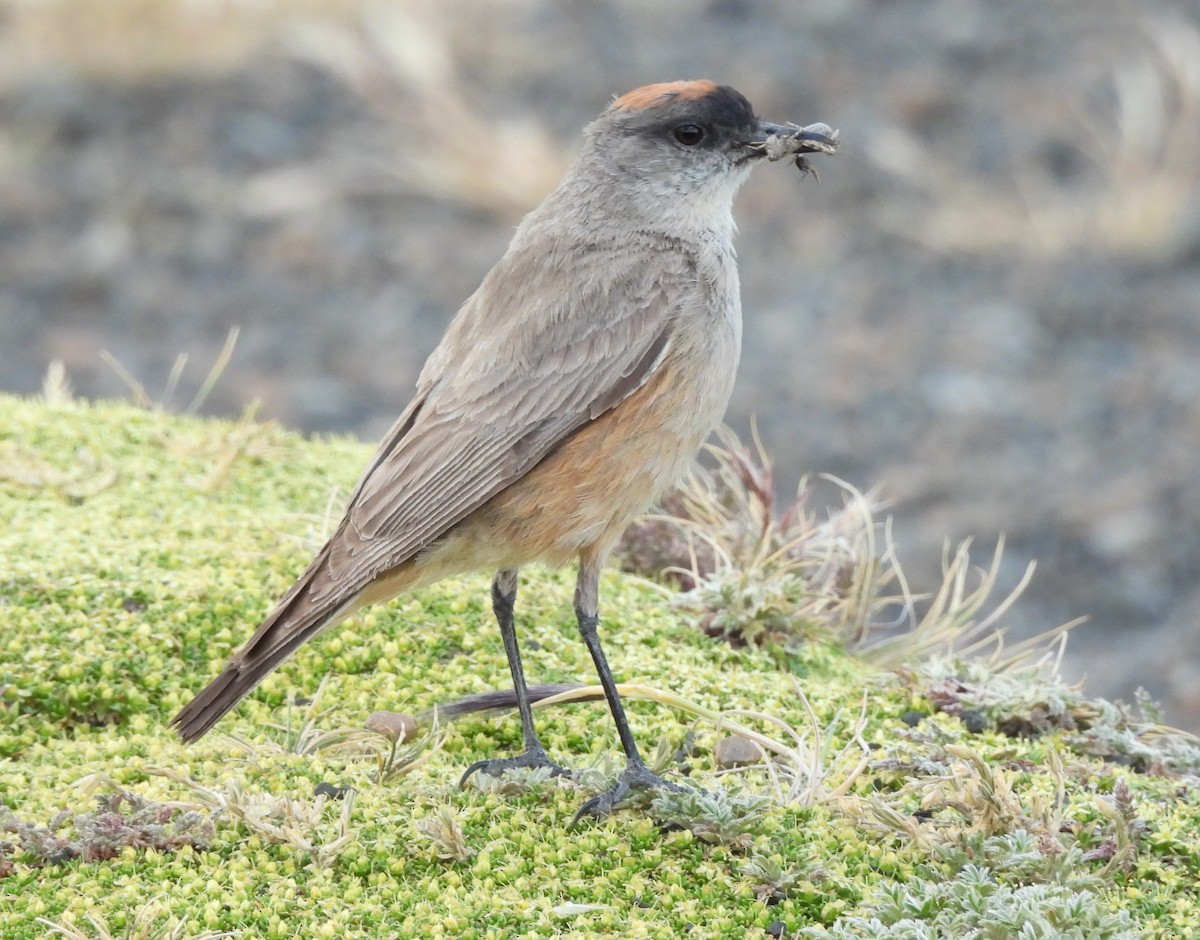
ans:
(691, 138)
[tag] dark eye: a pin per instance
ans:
(689, 134)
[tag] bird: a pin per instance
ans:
(569, 391)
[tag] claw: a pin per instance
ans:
(495, 767)
(635, 778)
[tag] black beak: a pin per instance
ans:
(775, 141)
(817, 133)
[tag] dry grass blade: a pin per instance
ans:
(961, 618)
(393, 757)
(247, 437)
(27, 468)
(56, 386)
(403, 61)
(1140, 148)
(214, 374)
(403, 757)
(278, 819)
(965, 798)
(137, 390)
(799, 770)
(443, 830)
(143, 925)
(952, 620)
(302, 735)
(173, 378)
(822, 766)
(754, 572)
(141, 397)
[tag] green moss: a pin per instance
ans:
(141, 549)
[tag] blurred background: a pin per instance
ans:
(989, 305)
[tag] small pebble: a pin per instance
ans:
(396, 726)
(736, 751)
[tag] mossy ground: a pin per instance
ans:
(140, 549)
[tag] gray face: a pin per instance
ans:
(679, 140)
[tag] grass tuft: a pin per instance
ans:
(752, 571)
(281, 820)
(443, 831)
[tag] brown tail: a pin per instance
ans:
(296, 618)
(500, 700)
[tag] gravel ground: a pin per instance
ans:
(990, 304)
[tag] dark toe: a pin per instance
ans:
(635, 780)
(496, 767)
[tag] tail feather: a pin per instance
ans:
(501, 700)
(234, 683)
(295, 619)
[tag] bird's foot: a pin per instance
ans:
(531, 757)
(635, 779)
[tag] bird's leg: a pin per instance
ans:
(504, 598)
(637, 775)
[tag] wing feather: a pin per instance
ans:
(536, 353)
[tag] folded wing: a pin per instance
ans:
(552, 349)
